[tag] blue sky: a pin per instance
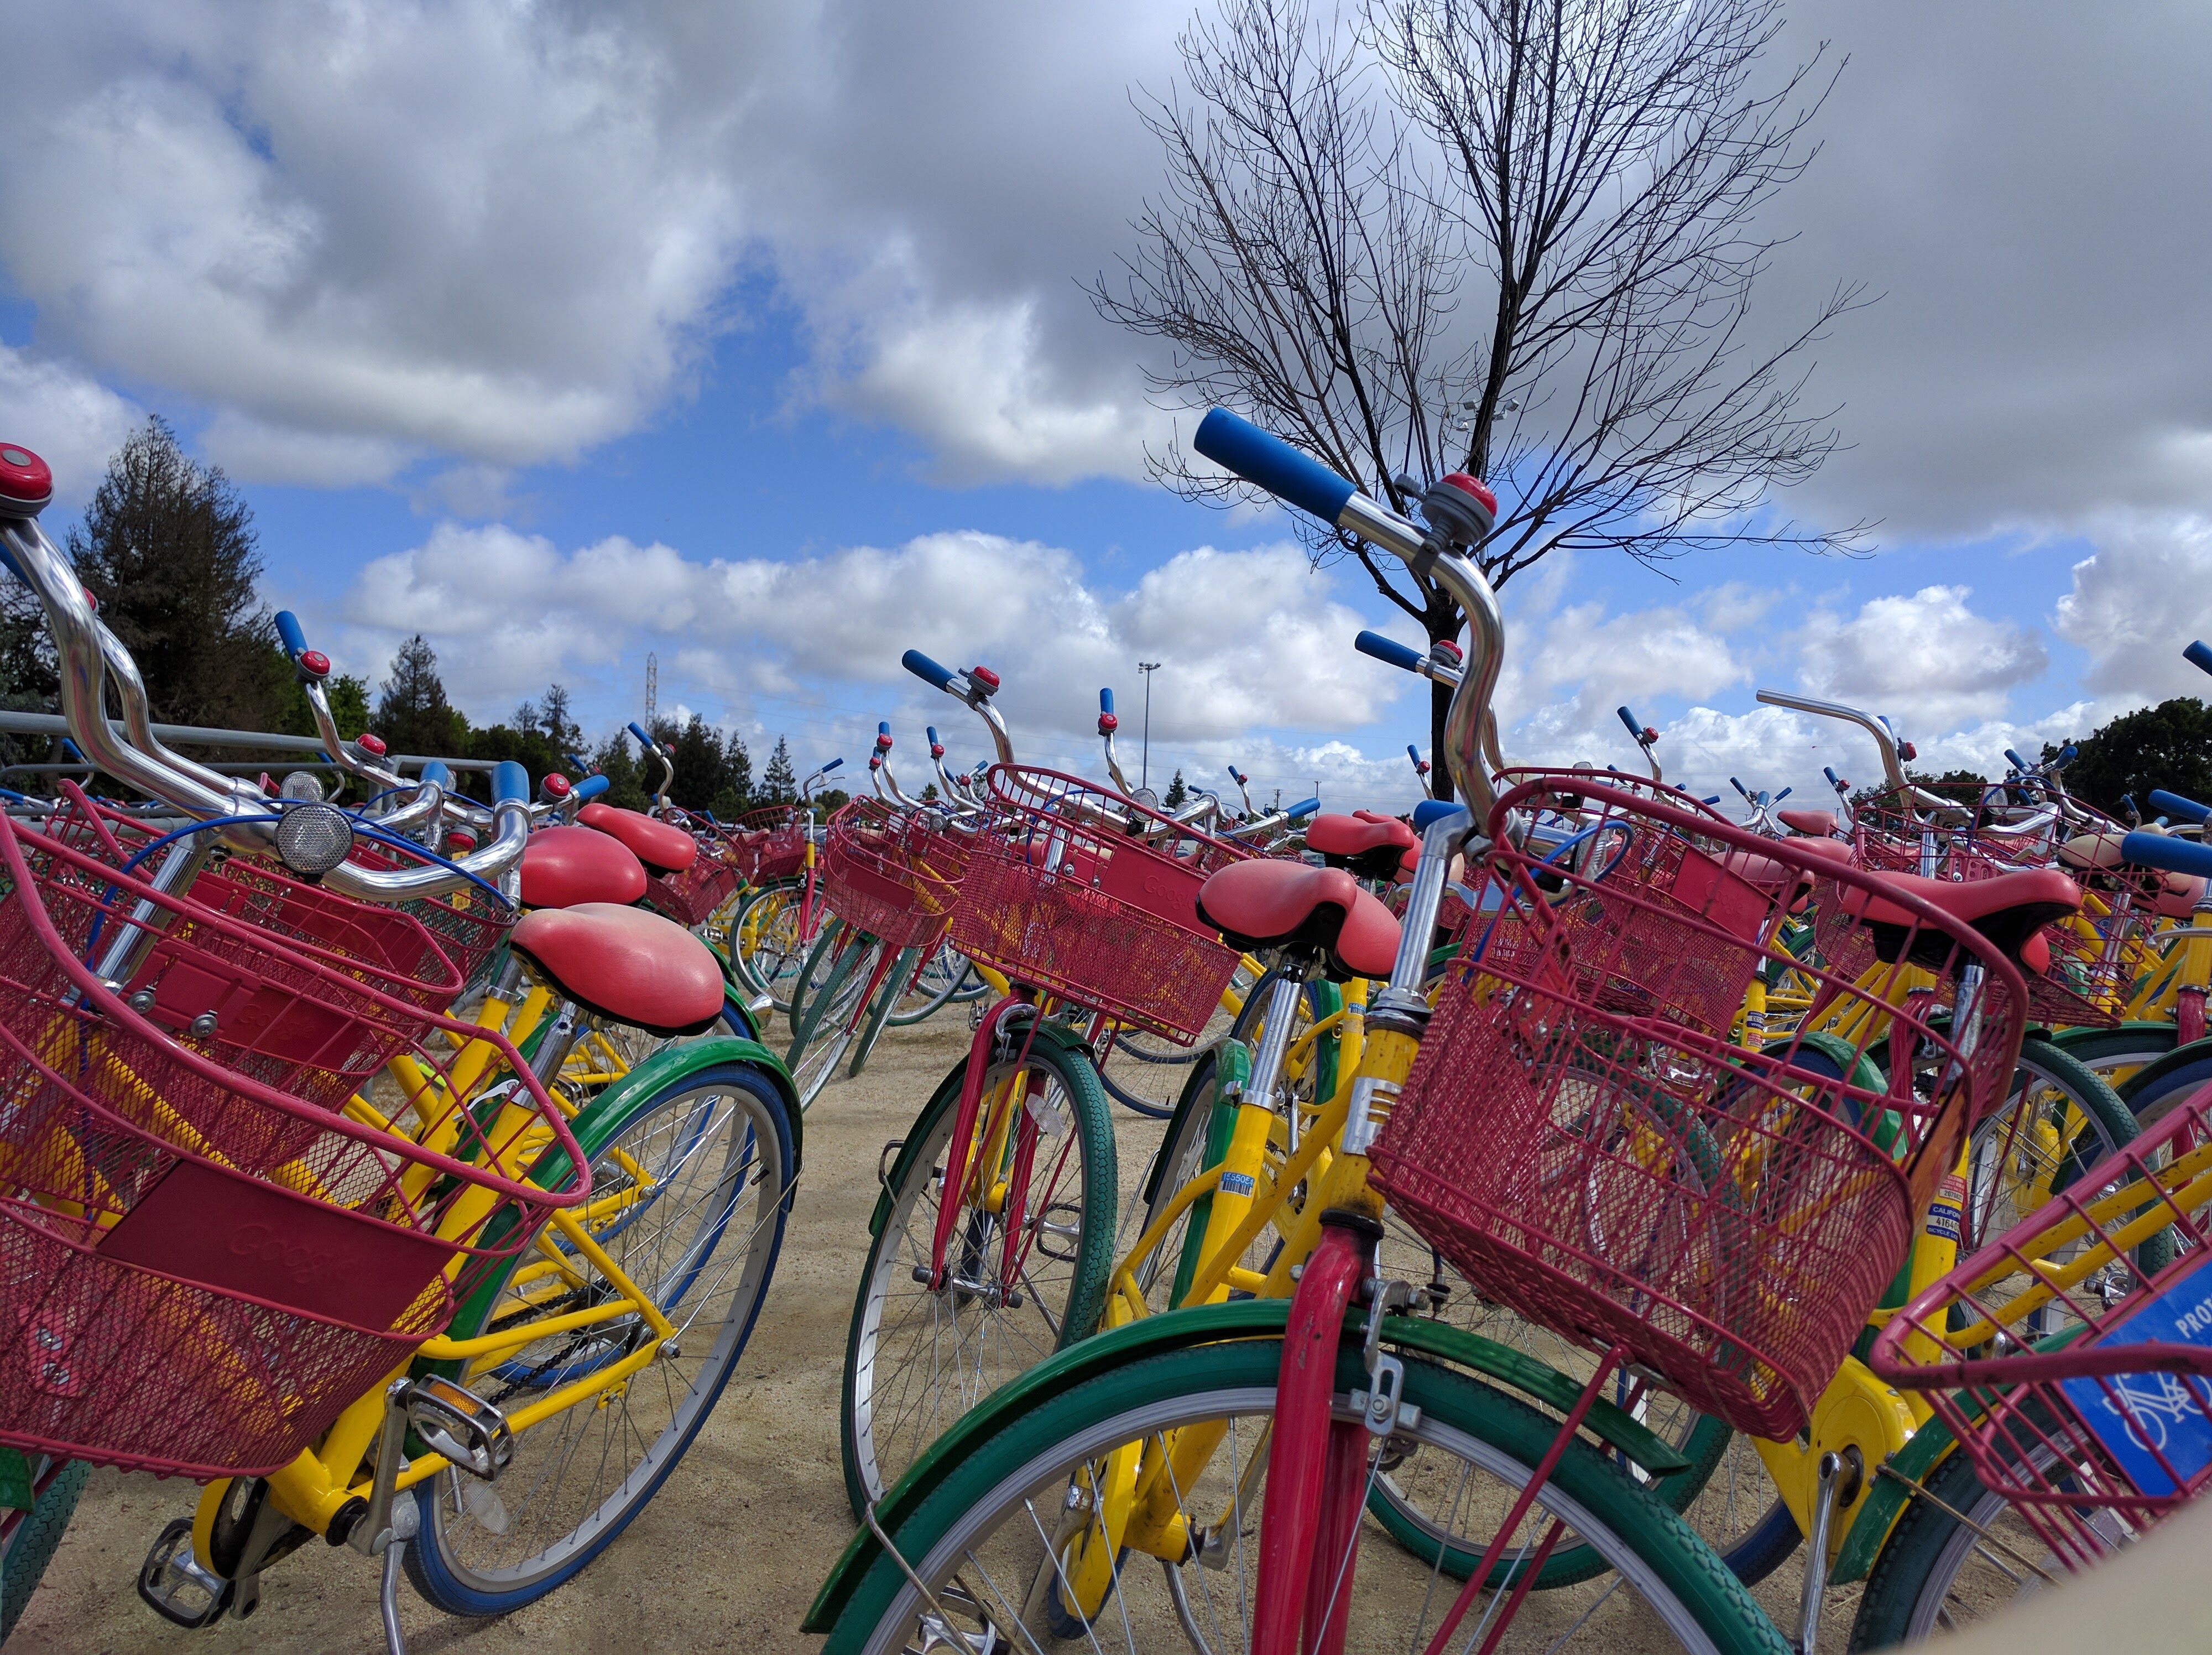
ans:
(757, 342)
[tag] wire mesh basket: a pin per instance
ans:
(1579, 1134)
(201, 1270)
(2082, 1391)
(296, 988)
(697, 894)
(892, 873)
(1094, 897)
(770, 843)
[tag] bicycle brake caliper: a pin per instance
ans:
(1382, 1408)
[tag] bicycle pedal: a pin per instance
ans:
(172, 1583)
(454, 1422)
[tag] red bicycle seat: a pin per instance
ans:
(625, 964)
(662, 848)
(1276, 905)
(1819, 824)
(563, 866)
(1373, 847)
(2008, 909)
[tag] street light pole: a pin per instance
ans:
(1145, 764)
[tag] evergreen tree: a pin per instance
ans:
(779, 786)
(616, 760)
(412, 713)
(1178, 795)
(2168, 746)
(166, 550)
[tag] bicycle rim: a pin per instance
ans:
(917, 1359)
(1001, 1538)
(689, 1197)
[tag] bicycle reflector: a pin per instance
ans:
(302, 786)
(313, 838)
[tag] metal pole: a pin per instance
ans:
(1145, 765)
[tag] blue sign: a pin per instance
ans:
(2169, 1412)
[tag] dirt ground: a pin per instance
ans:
(730, 1553)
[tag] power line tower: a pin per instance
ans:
(652, 686)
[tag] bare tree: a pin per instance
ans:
(1517, 238)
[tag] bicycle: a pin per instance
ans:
(2077, 1391)
(324, 1094)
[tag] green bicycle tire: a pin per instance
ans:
(31, 1546)
(879, 1011)
(906, 1186)
(1239, 1376)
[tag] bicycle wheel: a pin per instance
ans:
(771, 944)
(2117, 1055)
(2059, 1120)
(28, 1541)
(689, 1194)
(938, 983)
(917, 1359)
(826, 1014)
(1935, 1573)
(990, 1543)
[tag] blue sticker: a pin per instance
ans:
(2169, 1412)
(1237, 1183)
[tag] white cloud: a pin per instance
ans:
(1248, 639)
(69, 421)
(2145, 592)
(1927, 660)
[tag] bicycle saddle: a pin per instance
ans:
(564, 866)
(1282, 904)
(662, 848)
(625, 965)
(1816, 823)
(2092, 850)
(2008, 909)
(1373, 847)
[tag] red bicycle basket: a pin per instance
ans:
(1579, 1136)
(440, 943)
(241, 964)
(1094, 897)
(2082, 1392)
(893, 872)
(200, 1272)
(770, 843)
(696, 895)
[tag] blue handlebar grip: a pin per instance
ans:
(437, 770)
(1414, 753)
(1783, 794)
(926, 669)
(577, 761)
(2068, 753)
(930, 730)
(288, 633)
(1389, 649)
(510, 783)
(830, 766)
(2018, 762)
(1715, 800)
(1302, 809)
(1106, 702)
(2198, 655)
(883, 730)
(1634, 728)
(2163, 850)
(1259, 457)
(1740, 787)
(2172, 804)
(590, 787)
(643, 740)
(1834, 780)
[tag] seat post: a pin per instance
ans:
(1295, 970)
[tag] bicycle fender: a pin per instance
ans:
(1066, 1039)
(1861, 1070)
(1152, 1335)
(2066, 1039)
(597, 1118)
(1886, 1501)
(733, 1000)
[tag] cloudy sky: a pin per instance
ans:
(752, 336)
